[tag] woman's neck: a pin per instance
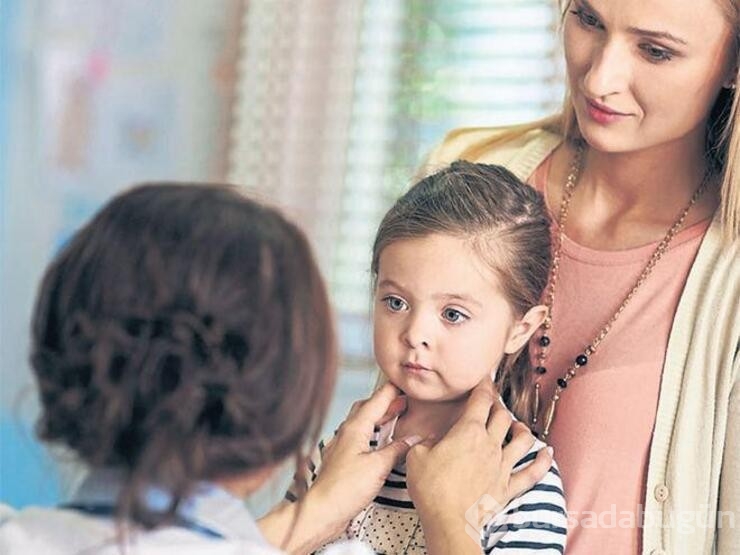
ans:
(626, 200)
(656, 180)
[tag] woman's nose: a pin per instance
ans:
(609, 70)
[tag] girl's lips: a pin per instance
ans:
(416, 368)
(602, 114)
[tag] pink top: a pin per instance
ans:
(604, 420)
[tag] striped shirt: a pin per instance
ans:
(534, 522)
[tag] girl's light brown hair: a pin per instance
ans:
(505, 221)
(184, 334)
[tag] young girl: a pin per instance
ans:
(183, 347)
(459, 265)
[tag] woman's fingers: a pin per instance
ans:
(520, 444)
(478, 406)
(397, 406)
(499, 423)
(379, 404)
(396, 451)
(383, 405)
(354, 408)
(525, 479)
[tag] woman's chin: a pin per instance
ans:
(606, 139)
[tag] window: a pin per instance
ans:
(340, 101)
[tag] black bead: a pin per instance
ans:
(541, 370)
(562, 383)
(544, 341)
(581, 360)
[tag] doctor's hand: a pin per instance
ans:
(352, 474)
(448, 478)
(350, 477)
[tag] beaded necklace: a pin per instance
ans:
(544, 340)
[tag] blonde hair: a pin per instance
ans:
(722, 140)
(729, 140)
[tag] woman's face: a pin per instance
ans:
(645, 73)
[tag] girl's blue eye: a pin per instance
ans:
(454, 316)
(395, 304)
(655, 54)
(586, 19)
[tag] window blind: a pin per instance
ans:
(340, 101)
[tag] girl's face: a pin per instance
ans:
(441, 323)
(645, 73)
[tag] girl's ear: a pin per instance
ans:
(523, 329)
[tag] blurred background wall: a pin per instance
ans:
(325, 107)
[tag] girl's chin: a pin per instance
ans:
(430, 396)
(422, 390)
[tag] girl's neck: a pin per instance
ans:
(428, 418)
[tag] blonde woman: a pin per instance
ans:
(636, 369)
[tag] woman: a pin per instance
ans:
(637, 368)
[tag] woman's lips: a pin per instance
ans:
(602, 114)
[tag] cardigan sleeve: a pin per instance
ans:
(520, 150)
(728, 516)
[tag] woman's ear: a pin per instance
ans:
(523, 329)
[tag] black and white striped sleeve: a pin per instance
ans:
(305, 477)
(534, 522)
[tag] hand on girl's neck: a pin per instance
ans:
(428, 418)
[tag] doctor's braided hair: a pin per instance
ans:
(184, 334)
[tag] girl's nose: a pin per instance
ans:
(416, 335)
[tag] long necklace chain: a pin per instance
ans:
(590, 349)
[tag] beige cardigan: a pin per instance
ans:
(694, 466)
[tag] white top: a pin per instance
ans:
(218, 524)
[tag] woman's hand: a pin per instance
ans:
(351, 473)
(350, 477)
(470, 467)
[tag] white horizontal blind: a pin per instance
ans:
(389, 77)
(294, 107)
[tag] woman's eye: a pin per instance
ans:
(395, 304)
(655, 54)
(586, 19)
(454, 316)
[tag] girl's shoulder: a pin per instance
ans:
(519, 148)
(537, 518)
